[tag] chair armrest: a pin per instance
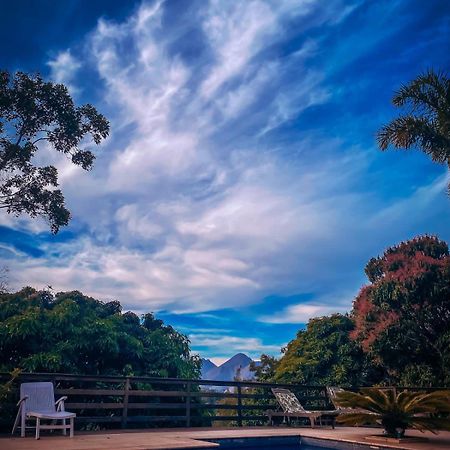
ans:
(60, 403)
(22, 400)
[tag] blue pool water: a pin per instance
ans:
(285, 443)
(283, 447)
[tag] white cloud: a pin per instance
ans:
(132, 223)
(302, 312)
(178, 215)
(220, 345)
(236, 31)
(64, 68)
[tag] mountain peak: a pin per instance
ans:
(239, 359)
(236, 365)
(206, 366)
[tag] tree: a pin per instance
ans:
(33, 111)
(426, 124)
(402, 318)
(266, 368)
(325, 354)
(7, 387)
(72, 333)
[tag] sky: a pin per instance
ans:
(240, 191)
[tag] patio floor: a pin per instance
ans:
(195, 438)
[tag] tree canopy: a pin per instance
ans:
(33, 111)
(323, 353)
(72, 333)
(398, 331)
(402, 318)
(265, 369)
(426, 124)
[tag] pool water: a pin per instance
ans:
(284, 447)
(285, 443)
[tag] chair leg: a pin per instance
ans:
(22, 425)
(64, 429)
(16, 421)
(38, 427)
(71, 427)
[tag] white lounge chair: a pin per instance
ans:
(37, 401)
(332, 392)
(292, 408)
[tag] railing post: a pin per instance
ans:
(125, 402)
(188, 404)
(239, 405)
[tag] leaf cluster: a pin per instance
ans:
(72, 333)
(33, 111)
(402, 319)
(402, 410)
(426, 122)
(323, 353)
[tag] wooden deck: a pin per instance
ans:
(197, 438)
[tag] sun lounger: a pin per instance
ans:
(332, 392)
(292, 408)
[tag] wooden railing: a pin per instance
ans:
(146, 401)
(132, 402)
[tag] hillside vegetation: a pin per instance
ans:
(71, 333)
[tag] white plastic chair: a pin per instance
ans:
(37, 400)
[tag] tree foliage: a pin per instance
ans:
(402, 318)
(33, 111)
(266, 368)
(426, 124)
(7, 387)
(398, 331)
(69, 332)
(325, 354)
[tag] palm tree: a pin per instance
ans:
(395, 411)
(426, 124)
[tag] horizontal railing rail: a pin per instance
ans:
(136, 401)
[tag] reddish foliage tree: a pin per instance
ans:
(403, 317)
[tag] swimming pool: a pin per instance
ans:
(286, 447)
(290, 443)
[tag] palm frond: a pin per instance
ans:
(426, 124)
(405, 409)
(357, 419)
(349, 399)
(427, 89)
(430, 424)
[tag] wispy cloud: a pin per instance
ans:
(227, 345)
(241, 165)
(64, 68)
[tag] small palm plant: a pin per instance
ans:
(395, 411)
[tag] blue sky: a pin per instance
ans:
(240, 191)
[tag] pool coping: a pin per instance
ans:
(203, 438)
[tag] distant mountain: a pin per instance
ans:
(238, 365)
(206, 366)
